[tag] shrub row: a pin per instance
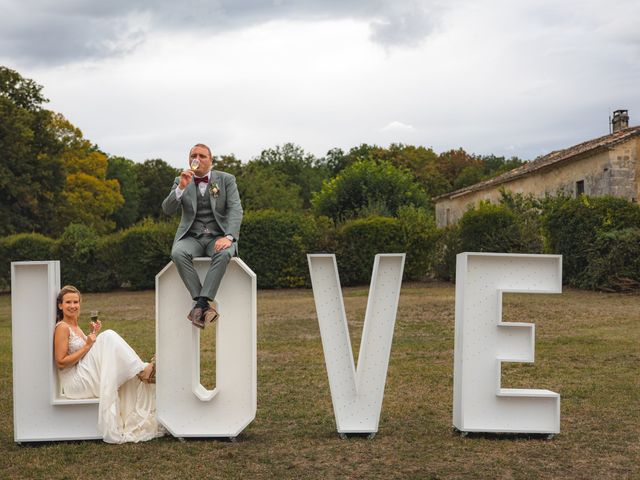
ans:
(599, 239)
(274, 244)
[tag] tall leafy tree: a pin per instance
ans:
(263, 187)
(421, 162)
(91, 198)
(155, 178)
(123, 170)
(299, 168)
(368, 187)
(228, 163)
(31, 170)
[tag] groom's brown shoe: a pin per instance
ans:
(210, 315)
(196, 317)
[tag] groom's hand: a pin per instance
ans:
(222, 243)
(185, 179)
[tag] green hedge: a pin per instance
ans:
(446, 248)
(22, 247)
(485, 228)
(81, 262)
(360, 240)
(599, 239)
(613, 262)
(275, 244)
(140, 253)
(573, 227)
(420, 237)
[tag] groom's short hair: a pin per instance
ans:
(203, 146)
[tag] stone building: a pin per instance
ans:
(609, 165)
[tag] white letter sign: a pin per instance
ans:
(357, 394)
(184, 406)
(40, 412)
(483, 341)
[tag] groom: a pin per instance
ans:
(210, 225)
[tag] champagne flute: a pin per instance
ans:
(94, 318)
(194, 164)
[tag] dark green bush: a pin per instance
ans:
(77, 250)
(573, 226)
(22, 247)
(490, 228)
(513, 226)
(613, 262)
(420, 236)
(368, 187)
(140, 252)
(360, 240)
(447, 246)
(275, 244)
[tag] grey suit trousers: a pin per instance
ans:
(188, 248)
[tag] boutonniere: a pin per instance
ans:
(214, 190)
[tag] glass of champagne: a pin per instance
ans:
(194, 164)
(94, 318)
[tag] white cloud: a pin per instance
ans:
(396, 126)
(489, 76)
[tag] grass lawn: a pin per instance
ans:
(587, 349)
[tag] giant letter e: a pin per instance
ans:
(483, 341)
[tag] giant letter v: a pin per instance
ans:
(357, 393)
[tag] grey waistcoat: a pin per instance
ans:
(204, 217)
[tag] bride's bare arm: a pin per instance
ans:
(61, 347)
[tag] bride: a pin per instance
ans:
(105, 366)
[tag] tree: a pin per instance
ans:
(452, 162)
(299, 168)
(493, 165)
(335, 161)
(366, 188)
(23, 92)
(228, 163)
(31, 170)
(123, 170)
(90, 198)
(262, 186)
(422, 162)
(155, 178)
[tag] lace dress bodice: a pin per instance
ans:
(76, 342)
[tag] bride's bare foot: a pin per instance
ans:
(148, 375)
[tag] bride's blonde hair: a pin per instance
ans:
(63, 291)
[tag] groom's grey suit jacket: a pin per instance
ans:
(226, 205)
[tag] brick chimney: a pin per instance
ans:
(620, 120)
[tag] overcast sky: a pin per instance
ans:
(147, 79)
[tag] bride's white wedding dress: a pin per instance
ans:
(127, 406)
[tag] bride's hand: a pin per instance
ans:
(96, 326)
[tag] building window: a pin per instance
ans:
(447, 217)
(579, 187)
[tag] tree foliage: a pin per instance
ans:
(263, 187)
(367, 187)
(155, 179)
(31, 170)
(89, 197)
(124, 171)
(299, 168)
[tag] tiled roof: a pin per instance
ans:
(581, 150)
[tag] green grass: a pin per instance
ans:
(587, 348)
